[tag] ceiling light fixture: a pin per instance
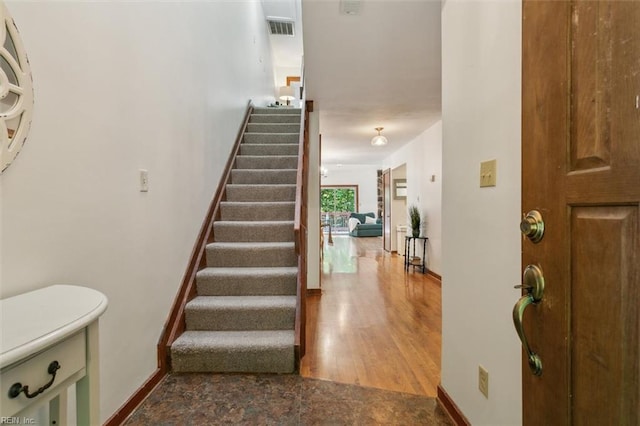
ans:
(379, 140)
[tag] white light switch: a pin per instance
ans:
(144, 180)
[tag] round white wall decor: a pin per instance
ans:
(16, 90)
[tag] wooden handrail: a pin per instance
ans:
(175, 324)
(297, 218)
(300, 233)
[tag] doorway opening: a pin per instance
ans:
(337, 202)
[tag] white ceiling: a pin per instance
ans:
(380, 67)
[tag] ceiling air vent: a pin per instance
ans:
(281, 28)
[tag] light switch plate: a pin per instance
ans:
(144, 180)
(488, 173)
(483, 381)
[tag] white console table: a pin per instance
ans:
(49, 342)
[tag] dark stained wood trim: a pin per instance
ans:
(314, 292)
(292, 78)
(435, 276)
(175, 324)
(120, 416)
(451, 408)
(300, 237)
(300, 327)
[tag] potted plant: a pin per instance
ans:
(414, 218)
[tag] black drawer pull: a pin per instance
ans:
(17, 388)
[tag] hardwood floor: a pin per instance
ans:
(374, 324)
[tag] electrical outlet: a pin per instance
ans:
(483, 381)
(488, 173)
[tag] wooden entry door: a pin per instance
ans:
(581, 171)
(386, 213)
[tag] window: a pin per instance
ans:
(336, 204)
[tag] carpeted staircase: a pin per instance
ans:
(243, 317)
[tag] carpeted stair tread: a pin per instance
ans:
(265, 351)
(271, 110)
(263, 176)
(241, 313)
(251, 254)
(269, 149)
(245, 231)
(266, 162)
(243, 316)
(275, 118)
(260, 192)
(257, 211)
(247, 281)
(273, 127)
(271, 138)
(242, 302)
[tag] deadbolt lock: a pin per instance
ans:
(532, 226)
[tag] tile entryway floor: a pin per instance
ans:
(213, 399)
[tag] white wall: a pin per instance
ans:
(423, 158)
(121, 86)
(365, 176)
(313, 202)
(481, 250)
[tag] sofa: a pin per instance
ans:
(360, 226)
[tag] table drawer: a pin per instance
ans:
(70, 354)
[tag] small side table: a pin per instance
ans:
(49, 343)
(409, 259)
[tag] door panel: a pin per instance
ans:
(581, 171)
(590, 93)
(604, 325)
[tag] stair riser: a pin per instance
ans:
(278, 111)
(241, 319)
(257, 285)
(261, 193)
(269, 149)
(256, 212)
(272, 138)
(261, 177)
(266, 162)
(255, 257)
(228, 232)
(273, 118)
(231, 360)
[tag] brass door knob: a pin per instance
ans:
(532, 226)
